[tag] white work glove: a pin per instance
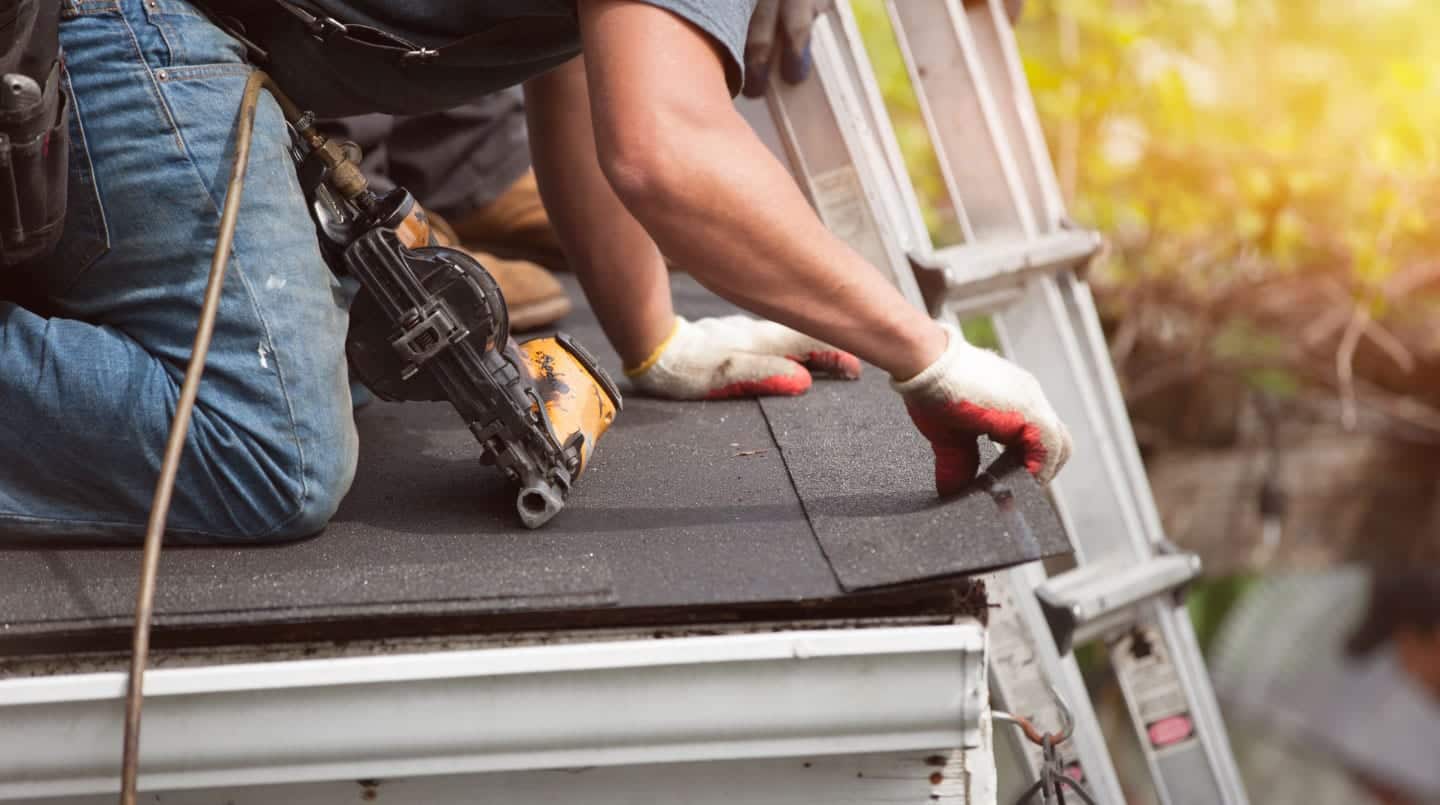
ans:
(737, 356)
(970, 391)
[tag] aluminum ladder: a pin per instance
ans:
(1018, 263)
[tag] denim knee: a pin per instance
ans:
(324, 476)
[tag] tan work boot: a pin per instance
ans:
(532, 295)
(515, 225)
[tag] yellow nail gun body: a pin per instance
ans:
(430, 323)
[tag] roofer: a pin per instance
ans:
(637, 149)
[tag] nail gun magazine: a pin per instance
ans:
(430, 324)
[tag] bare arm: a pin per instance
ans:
(617, 263)
(691, 172)
(682, 166)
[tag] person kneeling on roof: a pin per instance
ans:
(638, 151)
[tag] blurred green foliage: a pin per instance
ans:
(1211, 600)
(1298, 132)
(1208, 138)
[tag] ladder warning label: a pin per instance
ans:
(841, 204)
(1156, 694)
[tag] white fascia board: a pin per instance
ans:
(506, 709)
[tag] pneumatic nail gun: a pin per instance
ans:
(429, 323)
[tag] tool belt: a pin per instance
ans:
(339, 67)
(34, 131)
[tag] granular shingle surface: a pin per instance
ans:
(689, 512)
(862, 471)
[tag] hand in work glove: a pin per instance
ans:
(778, 22)
(970, 391)
(737, 356)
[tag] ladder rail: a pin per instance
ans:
(956, 119)
(1081, 303)
(1033, 333)
(1027, 116)
(911, 220)
(1017, 687)
(873, 229)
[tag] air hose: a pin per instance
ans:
(180, 426)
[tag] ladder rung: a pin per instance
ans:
(985, 302)
(974, 268)
(1098, 597)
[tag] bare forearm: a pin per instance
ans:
(745, 231)
(617, 263)
(717, 202)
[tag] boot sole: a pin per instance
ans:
(545, 258)
(539, 314)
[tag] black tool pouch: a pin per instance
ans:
(34, 131)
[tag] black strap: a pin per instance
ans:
(327, 29)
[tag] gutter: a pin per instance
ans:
(583, 704)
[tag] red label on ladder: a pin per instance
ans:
(1170, 731)
(1154, 689)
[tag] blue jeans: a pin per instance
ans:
(94, 343)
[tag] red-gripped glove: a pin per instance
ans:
(969, 392)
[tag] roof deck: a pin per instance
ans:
(811, 508)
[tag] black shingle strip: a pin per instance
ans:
(865, 477)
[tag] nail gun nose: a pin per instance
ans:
(538, 503)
